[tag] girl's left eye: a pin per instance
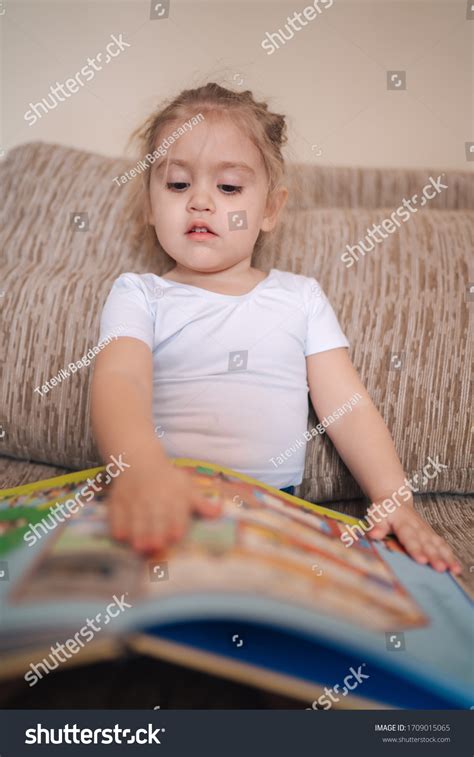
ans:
(177, 186)
(230, 189)
(180, 186)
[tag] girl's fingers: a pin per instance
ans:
(117, 514)
(434, 557)
(443, 556)
(451, 561)
(151, 523)
(408, 536)
(425, 546)
(421, 542)
(149, 528)
(379, 531)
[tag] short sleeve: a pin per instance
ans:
(127, 311)
(323, 331)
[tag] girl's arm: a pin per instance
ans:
(366, 447)
(149, 504)
(121, 400)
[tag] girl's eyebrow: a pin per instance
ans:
(239, 166)
(223, 164)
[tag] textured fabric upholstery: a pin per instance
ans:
(409, 295)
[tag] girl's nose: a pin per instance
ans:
(201, 200)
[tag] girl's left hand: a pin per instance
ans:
(418, 538)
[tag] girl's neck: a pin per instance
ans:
(233, 280)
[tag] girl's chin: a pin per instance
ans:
(201, 265)
(203, 255)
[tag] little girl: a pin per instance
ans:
(216, 358)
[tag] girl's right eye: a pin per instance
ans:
(177, 186)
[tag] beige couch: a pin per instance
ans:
(410, 296)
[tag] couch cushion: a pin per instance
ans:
(406, 298)
(14, 472)
(314, 186)
(407, 295)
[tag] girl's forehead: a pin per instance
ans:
(217, 139)
(246, 170)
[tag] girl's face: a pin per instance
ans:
(213, 177)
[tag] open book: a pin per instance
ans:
(268, 593)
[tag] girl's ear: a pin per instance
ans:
(275, 204)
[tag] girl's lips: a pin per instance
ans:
(200, 234)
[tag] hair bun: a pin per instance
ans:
(277, 129)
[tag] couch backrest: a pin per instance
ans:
(314, 186)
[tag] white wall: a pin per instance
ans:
(330, 79)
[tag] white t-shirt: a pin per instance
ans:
(229, 371)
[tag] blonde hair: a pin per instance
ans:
(267, 130)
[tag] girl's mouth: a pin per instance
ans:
(200, 230)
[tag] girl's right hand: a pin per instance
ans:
(150, 504)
